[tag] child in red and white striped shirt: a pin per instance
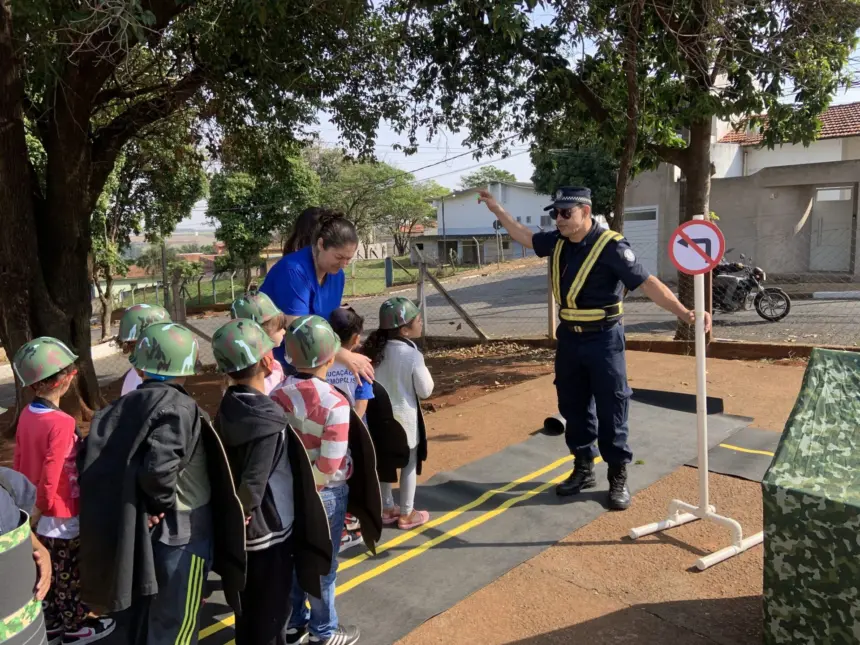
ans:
(320, 416)
(319, 413)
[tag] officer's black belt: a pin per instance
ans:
(592, 319)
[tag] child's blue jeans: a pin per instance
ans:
(321, 619)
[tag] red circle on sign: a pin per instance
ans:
(711, 262)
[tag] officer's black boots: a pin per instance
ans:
(581, 478)
(619, 494)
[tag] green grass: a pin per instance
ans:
(364, 278)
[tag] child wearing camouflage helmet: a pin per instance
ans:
(46, 444)
(134, 320)
(158, 505)
(260, 308)
(400, 369)
(321, 416)
(275, 482)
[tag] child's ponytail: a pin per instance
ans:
(375, 344)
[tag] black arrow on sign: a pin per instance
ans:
(701, 241)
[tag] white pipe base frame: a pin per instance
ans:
(681, 513)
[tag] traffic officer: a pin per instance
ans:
(590, 266)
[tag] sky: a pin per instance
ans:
(439, 153)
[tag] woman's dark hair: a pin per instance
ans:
(375, 344)
(334, 230)
(304, 229)
(346, 323)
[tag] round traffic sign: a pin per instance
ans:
(696, 247)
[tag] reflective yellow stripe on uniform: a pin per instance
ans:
(569, 311)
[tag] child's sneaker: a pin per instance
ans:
(352, 523)
(349, 539)
(94, 629)
(297, 635)
(343, 635)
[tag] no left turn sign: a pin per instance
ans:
(696, 247)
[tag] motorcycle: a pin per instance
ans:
(738, 286)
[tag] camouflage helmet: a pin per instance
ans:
(41, 358)
(310, 342)
(166, 349)
(240, 344)
(256, 306)
(397, 312)
(137, 317)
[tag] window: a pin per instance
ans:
(506, 245)
(520, 220)
(528, 219)
(833, 194)
(419, 246)
(639, 216)
(545, 220)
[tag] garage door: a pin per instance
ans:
(640, 229)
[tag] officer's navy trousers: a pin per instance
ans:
(593, 395)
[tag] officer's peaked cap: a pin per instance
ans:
(570, 196)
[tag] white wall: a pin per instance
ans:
(793, 154)
(465, 216)
(728, 160)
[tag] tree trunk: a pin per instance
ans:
(631, 135)
(35, 302)
(697, 172)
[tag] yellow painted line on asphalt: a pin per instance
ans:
(230, 620)
(444, 537)
(443, 519)
(747, 450)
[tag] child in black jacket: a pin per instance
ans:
(285, 520)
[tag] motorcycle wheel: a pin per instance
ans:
(772, 304)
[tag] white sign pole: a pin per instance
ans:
(701, 385)
(681, 512)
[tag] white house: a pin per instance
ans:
(464, 226)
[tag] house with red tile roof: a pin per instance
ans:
(791, 208)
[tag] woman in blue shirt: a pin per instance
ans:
(311, 281)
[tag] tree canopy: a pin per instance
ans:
(486, 175)
(85, 79)
(590, 167)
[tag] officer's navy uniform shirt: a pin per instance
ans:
(616, 267)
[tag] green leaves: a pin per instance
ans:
(486, 175)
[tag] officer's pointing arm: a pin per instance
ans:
(520, 233)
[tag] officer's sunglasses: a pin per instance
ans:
(563, 213)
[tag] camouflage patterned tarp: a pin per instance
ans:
(811, 499)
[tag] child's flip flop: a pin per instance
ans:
(418, 518)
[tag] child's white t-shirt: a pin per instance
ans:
(344, 380)
(131, 382)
